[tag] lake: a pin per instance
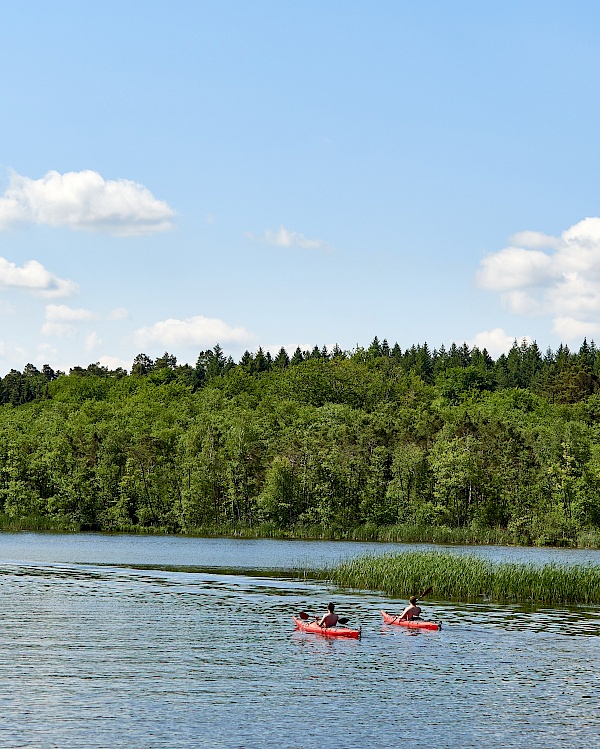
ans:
(106, 645)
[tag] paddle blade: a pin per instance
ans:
(303, 615)
(426, 591)
(343, 620)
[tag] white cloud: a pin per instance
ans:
(32, 276)
(86, 201)
(63, 313)
(514, 267)
(535, 240)
(119, 313)
(496, 341)
(46, 353)
(12, 352)
(114, 362)
(555, 276)
(59, 319)
(521, 303)
(92, 341)
(195, 331)
(57, 329)
(567, 328)
(285, 238)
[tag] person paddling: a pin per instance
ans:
(330, 619)
(412, 611)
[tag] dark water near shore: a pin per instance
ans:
(94, 654)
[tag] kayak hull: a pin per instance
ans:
(314, 628)
(410, 623)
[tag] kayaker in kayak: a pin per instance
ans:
(412, 611)
(330, 619)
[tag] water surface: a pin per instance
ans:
(95, 655)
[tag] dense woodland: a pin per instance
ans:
(332, 440)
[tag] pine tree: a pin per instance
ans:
(247, 362)
(166, 361)
(337, 353)
(282, 360)
(142, 365)
(260, 361)
(374, 350)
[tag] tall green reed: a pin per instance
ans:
(466, 577)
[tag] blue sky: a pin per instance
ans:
(173, 175)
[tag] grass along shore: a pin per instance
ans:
(434, 534)
(466, 578)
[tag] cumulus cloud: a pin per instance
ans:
(285, 238)
(32, 276)
(113, 362)
(514, 268)
(11, 351)
(92, 341)
(567, 328)
(63, 313)
(535, 240)
(496, 341)
(194, 331)
(555, 276)
(84, 201)
(119, 313)
(59, 319)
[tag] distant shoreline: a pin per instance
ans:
(366, 533)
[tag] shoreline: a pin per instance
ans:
(402, 534)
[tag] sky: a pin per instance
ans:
(268, 173)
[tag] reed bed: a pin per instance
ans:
(466, 577)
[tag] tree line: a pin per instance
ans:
(375, 437)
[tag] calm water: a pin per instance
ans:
(94, 654)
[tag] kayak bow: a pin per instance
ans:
(314, 628)
(410, 623)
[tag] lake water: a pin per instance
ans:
(105, 645)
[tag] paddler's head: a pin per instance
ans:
(413, 600)
(330, 607)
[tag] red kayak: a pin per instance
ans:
(410, 623)
(327, 631)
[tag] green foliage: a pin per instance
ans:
(375, 443)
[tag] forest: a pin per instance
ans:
(374, 443)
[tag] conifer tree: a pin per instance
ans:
(282, 360)
(374, 349)
(142, 365)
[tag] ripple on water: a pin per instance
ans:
(95, 656)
